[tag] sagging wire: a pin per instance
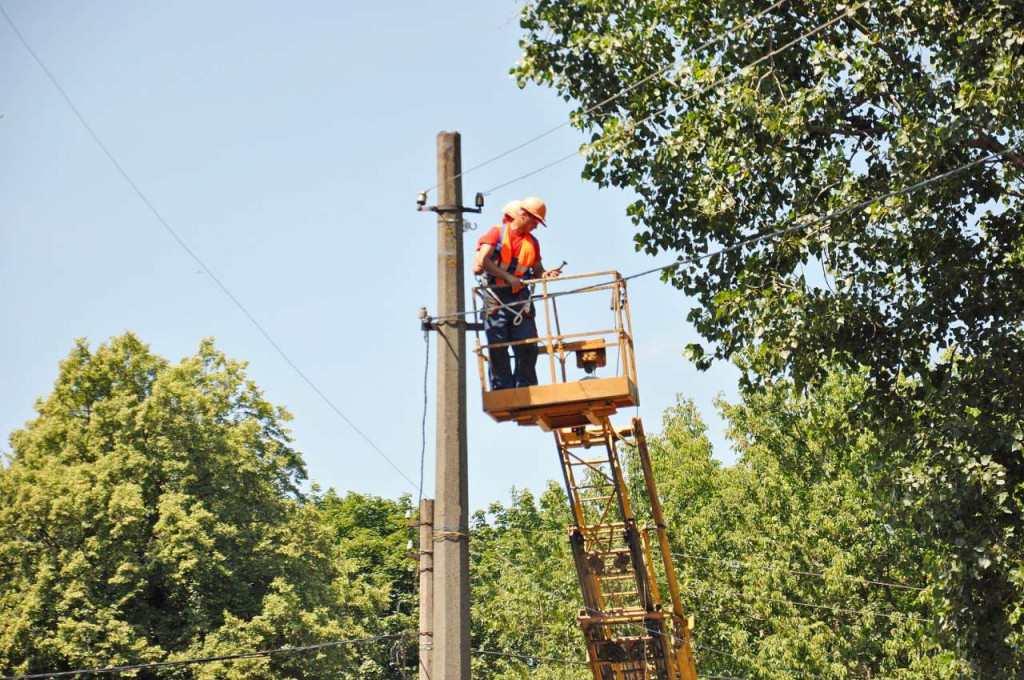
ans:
(702, 90)
(800, 572)
(667, 635)
(739, 595)
(181, 242)
(423, 425)
(646, 79)
(892, 616)
(571, 662)
(206, 659)
(809, 223)
(734, 561)
(529, 657)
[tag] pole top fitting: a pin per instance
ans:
(421, 205)
(427, 323)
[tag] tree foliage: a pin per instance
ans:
(792, 561)
(730, 127)
(372, 533)
(152, 512)
(525, 593)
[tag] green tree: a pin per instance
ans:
(372, 533)
(794, 561)
(790, 559)
(525, 593)
(730, 140)
(152, 512)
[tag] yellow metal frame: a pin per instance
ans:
(630, 633)
(558, 401)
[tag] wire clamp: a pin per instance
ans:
(429, 323)
(421, 205)
(450, 534)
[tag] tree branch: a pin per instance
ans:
(856, 127)
(987, 142)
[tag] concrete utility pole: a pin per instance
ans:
(426, 569)
(451, 512)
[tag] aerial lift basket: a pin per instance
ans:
(620, 548)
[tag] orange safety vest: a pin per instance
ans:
(516, 264)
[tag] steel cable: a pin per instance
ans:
(749, 20)
(181, 242)
(811, 222)
(702, 90)
(205, 659)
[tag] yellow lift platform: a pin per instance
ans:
(620, 548)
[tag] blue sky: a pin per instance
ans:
(286, 146)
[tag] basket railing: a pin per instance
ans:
(574, 293)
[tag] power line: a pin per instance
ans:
(423, 426)
(807, 674)
(893, 616)
(668, 635)
(732, 561)
(800, 572)
(811, 222)
(192, 254)
(739, 596)
(206, 659)
(616, 95)
(703, 89)
(542, 168)
(529, 657)
(570, 662)
(835, 214)
(762, 58)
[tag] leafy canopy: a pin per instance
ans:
(151, 512)
(729, 125)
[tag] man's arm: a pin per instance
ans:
(483, 262)
(539, 272)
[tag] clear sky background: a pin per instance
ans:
(286, 144)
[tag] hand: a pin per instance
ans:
(551, 274)
(514, 281)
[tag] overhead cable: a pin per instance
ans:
(800, 572)
(629, 88)
(732, 561)
(423, 424)
(719, 652)
(701, 90)
(529, 657)
(810, 222)
(893, 616)
(181, 242)
(205, 659)
(571, 662)
(742, 71)
(639, 627)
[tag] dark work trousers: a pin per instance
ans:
(500, 327)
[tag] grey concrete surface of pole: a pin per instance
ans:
(451, 512)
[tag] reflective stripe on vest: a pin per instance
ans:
(518, 264)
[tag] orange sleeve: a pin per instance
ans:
(490, 238)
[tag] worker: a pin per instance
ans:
(506, 255)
